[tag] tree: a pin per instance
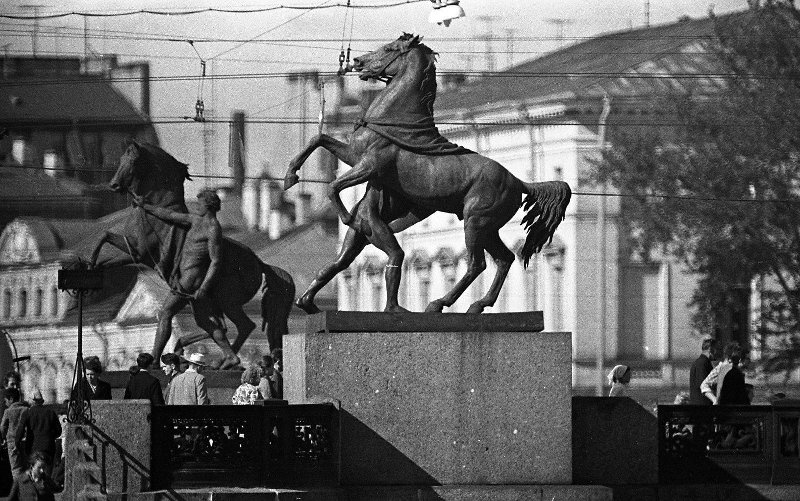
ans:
(720, 189)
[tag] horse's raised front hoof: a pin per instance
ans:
(307, 305)
(229, 362)
(290, 180)
(396, 308)
(475, 308)
(434, 307)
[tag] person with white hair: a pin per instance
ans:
(189, 387)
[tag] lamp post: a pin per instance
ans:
(79, 282)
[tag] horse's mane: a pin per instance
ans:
(161, 158)
(428, 83)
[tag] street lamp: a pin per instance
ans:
(79, 281)
(445, 11)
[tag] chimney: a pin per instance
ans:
(264, 205)
(302, 209)
(270, 218)
(275, 220)
(250, 203)
(236, 151)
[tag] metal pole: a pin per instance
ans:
(601, 239)
(80, 331)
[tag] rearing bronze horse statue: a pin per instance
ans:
(412, 171)
(147, 170)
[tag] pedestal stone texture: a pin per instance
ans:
(446, 403)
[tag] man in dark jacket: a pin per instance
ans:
(142, 384)
(701, 368)
(40, 427)
(8, 429)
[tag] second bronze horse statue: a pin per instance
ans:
(413, 171)
(147, 170)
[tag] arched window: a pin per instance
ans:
(374, 284)
(39, 300)
(54, 302)
(23, 303)
(7, 304)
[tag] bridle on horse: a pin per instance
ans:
(387, 79)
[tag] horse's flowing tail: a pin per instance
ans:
(544, 206)
(276, 303)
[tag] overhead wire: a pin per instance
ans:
(325, 181)
(146, 36)
(90, 79)
(190, 12)
(270, 29)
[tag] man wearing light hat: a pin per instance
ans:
(189, 388)
(39, 425)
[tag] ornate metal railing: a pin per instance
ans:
(247, 445)
(711, 444)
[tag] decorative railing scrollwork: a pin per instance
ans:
(253, 445)
(751, 444)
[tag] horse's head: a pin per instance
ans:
(386, 62)
(129, 169)
(145, 168)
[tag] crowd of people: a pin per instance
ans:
(32, 434)
(710, 383)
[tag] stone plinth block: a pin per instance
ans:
(112, 452)
(432, 406)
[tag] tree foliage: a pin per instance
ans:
(720, 189)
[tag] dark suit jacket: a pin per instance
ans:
(733, 391)
(144, 385)
(40, 427)
(103, 391)
(701, 368)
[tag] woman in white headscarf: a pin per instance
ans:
(618, 378)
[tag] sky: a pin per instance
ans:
(273, 43)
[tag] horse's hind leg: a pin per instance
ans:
(352, 245)
(503, 258)
(244, 326)
(383, 238)
(476, 263)
(212, 322)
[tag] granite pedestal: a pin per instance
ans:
(440, 399)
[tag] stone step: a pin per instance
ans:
(84, 447)
(88, 474)
(85, 495)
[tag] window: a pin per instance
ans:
(23, 304)
(423, 272)
(376, 283)
(39, 300)
(18, 151)
(54, 302)
(51, 163)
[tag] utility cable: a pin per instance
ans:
(200, 11)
